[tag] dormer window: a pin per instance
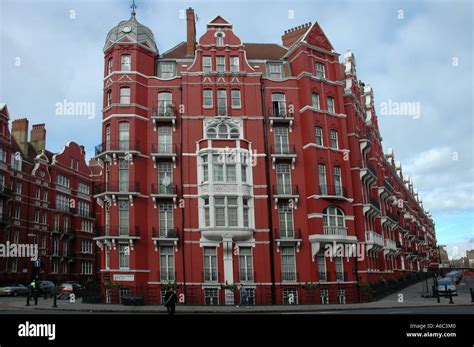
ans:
(126, 62)
(167, 69)
(219, 39)
(275, 71)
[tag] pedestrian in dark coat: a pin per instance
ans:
(170, 300)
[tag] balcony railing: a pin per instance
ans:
(392, 216)
(288, 150)
(246, 276)
(165, 190)
(323, 276)
(388, 185)
(371, 169)
(341, 276)
(168, 149)
(332, 190)
(131, 231)
(338, 231)
(276, 110)
(285, 190)
(117, 146)
(163, 110)
(289, 276)
(375, 203)
(125, 187)
(288, 233)
(167, 276)
(5, 191)
(165, 233)
(210, 275)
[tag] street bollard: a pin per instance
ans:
(433, 289)
(55, 295)
(28, 295)
(450, 297)
(45, 295)
(437, 295)
(472, 294)
(36, 296)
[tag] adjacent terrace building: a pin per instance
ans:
(45, 200)
(224, 163)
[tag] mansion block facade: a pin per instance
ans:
(46, 203)
(225, 163)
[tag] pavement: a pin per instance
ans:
(410, 297)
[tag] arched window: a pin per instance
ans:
(222, 130)
(333, 220)
(211, 133)
(219, 39)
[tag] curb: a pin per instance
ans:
(251, 310)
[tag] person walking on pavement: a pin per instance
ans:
(170, 300)
(244, 297)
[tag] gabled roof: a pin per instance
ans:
(219, 21)
(258, 51)
(177, 52)
(264, 51)
(315, 36)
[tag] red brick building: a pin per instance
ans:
(46, 200)
(227, 163)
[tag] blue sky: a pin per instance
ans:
(407, 51)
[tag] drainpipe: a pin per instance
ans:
(181, 176)
(269, 200)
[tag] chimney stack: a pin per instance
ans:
(38, 137)
(190, 32)
(20, 133)
(293, 34)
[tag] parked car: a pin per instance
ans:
(455, 275)
(66, 288)
(446, 284)
(14, 289)
(77, 287)
(46, 287)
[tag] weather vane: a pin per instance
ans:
(133, 7)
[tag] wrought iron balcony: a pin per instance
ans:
(164, 150)
(166, 233)
(283, 151)
(117, 187)
(332, 191)
(164, 190)
(375, 203)
(163, 111)
(247, 276)
(276, 110)
(5, 192)
(289, 276)
(285, 191)
(292, 234)
(119, 232)
(210, 275)
(121, 146)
